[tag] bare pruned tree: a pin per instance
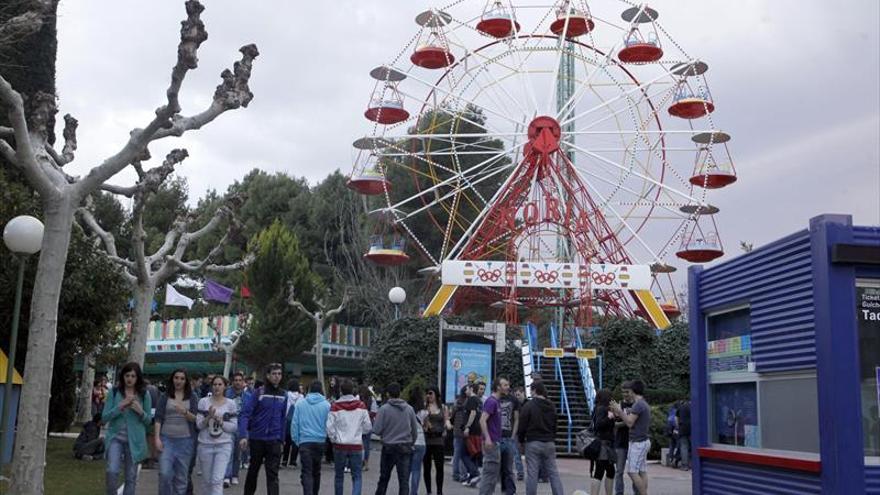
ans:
(228, 348)
(26, 145)
(147, 272)
(320, 317)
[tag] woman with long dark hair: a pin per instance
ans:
(435, 424)
(175, 433)
(127, 416)
(217, 420)
(417, 402)
(603, 428)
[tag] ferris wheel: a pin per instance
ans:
(563, 136)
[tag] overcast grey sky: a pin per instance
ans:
(795, 83)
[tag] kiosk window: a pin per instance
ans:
(735, 414)
(868, 322)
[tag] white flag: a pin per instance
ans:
(174, 298)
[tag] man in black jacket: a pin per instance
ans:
(537, 430)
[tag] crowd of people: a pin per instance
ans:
(217, 428)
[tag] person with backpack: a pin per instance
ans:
(261, 430)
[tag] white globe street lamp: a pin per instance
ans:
(23, 235)
(397, 295)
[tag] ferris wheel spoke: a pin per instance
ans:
(642, 176)
(455, 96)
(622, 95)
(455, 116)
(678, 215)
(482, 60)
(476, 170)
(625, 108)
(448, 195)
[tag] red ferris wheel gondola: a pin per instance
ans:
(700, 244)
(571, 21)
(497, 21)
(432, 51)
(386, 102)
(713, 168)
(690, 103)
(640, 49)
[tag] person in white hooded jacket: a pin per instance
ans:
(347, 422)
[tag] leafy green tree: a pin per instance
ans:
(279, 332)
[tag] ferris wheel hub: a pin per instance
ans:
(544, 134)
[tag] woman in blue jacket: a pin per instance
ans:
(127, 415)
(175, 433)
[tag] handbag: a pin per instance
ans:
(474, 444)
(587, 443)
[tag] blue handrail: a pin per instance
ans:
(563, 393)
(586, 374)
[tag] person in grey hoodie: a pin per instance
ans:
(396, 424)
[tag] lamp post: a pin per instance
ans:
(23, 235)
(397, 295)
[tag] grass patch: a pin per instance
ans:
(66, 475)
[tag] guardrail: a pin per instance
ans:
(563, 393)
(586, 374)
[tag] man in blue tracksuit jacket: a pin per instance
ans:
(261, 429)
(308, 429)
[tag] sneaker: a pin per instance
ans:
(234, 481)
(226, 483)
(87, 457)
(366, 467)
(473, 481)
(543, 480)
(520, 477)
(347, 469)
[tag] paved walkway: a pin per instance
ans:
(663, 481)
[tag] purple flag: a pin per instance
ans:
(216, 292)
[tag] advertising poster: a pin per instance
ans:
(467, 362)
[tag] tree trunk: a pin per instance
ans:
(29, 456)
(140, 323)
(227, 364)
(84, 401)
(319, 351)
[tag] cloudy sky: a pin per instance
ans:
(796, 83)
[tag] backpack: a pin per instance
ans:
(587, 443)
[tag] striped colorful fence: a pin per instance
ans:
(195, 335)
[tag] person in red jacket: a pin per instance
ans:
(347, 423)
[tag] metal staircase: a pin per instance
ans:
(567, 387)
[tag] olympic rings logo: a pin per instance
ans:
(546, 277)
(602, 278)
(487, 276)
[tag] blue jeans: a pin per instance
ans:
(508, 481)
(354, 460)
(119, 457)
(366, 439)
(458, 471)
(174, 465)
(415, 471)
(399, 457)
(234, 460)
(517, 458)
